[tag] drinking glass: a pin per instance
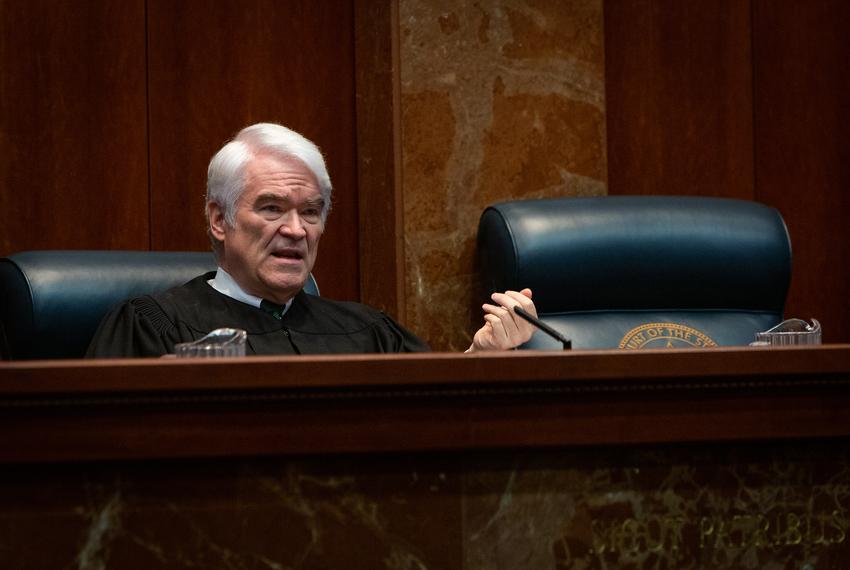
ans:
(790, 332)
(220, 342)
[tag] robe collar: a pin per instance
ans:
(225, 284)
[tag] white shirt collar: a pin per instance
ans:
(226, 285)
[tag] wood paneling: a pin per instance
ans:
(381, 229)
(73, 136)
(802, 126)
(746, 100)
(146, 408)
(679, 97)
(216, 67)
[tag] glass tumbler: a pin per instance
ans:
(218, 343)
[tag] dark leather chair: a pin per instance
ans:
(641, 271)
(51, 302)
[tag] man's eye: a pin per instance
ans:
(311, 213)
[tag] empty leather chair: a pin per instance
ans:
(641, 271)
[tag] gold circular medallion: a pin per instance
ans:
(665, 335)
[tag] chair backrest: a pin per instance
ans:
(641, 271)
(51, 302)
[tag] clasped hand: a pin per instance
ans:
(503, 329)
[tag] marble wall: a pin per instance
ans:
(733, 507)
(500, 99)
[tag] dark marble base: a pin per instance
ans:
(730, 506)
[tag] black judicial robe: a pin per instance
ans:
(152, 325)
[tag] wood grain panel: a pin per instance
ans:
(381, 230)
(802, 125)
(144, 408)
(72, 125)
(679, 97)
(217, 67)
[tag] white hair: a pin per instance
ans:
(225, 175)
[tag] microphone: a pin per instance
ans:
(568, 344)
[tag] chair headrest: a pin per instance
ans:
(637, 253)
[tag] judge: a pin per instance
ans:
(268, 197)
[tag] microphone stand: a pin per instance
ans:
(568, 344)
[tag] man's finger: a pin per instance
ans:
(500, 335)
(514, 298)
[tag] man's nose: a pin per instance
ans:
(292, 226)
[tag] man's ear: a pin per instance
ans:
(217, 222)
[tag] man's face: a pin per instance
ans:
(272, 246)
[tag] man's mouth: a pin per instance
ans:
(288, 253)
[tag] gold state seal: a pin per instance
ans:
(665, 335)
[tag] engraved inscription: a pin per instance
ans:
(633, 539)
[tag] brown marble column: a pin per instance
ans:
(499, 100)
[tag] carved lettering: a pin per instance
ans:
(792, 533)
(630, 537)
(675, 527)
(820, 530)
(839, 523)
(604, 537)
(740, 527)
(633, 536)
(706, 529)
(721, 535)
(762, 528)
(654, 544)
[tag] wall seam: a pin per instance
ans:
(148, 123)
(754, 98)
